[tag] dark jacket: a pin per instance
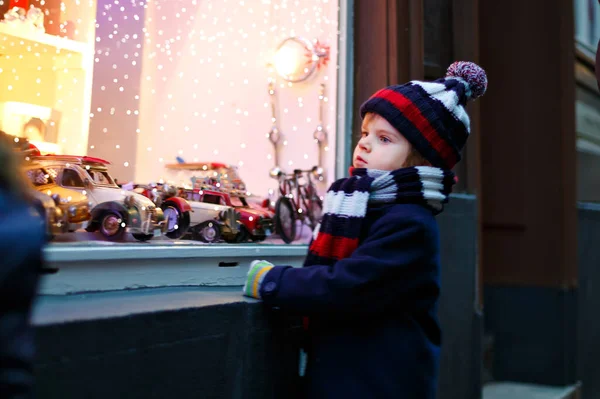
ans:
(21, 239)
(374, 331)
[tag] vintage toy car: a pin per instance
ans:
(73, 204)
(210, 222)
(256, 224)
(176, 209)
(55, 220)
(114, 210)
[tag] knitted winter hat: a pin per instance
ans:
(431, 115)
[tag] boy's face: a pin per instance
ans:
(381, 146)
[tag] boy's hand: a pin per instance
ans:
(256, 274)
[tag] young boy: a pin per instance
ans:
(370, 285)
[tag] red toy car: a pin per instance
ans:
(257, 224)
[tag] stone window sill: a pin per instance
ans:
(88, 267)
(60, 309)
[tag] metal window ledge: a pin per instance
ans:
(103, 266)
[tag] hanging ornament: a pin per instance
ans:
(274, 134)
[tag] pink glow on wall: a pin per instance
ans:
(204, 86)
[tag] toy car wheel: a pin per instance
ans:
(178, 222)
(285, 220)
(243, 235)
(207, 232)
(111, 225)
(92, 226)
(258, 238)
(142, 237)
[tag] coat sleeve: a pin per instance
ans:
(21, 241)
(395, 267)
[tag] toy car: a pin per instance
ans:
(210, 222)
(55, 220)
(176, 209)
(73, 204)
(114, 210)
(256, 224)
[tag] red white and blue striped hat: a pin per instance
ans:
(431, 115)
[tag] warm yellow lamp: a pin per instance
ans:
(296, 58)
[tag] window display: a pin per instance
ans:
(114, 211)
(170, 120)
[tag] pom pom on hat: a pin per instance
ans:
(471, 73)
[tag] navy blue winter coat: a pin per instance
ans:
(21, 241)
(374, 331)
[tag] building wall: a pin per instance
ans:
(588, 300)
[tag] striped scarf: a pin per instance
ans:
(337, 236)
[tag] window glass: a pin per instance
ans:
(71, 178)
(437, 41)
(587, 25)
(101, 177)
(238, 201)
(53, 172)
(162, 99)
(212, 199)
(39, 177)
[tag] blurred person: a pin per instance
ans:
(22, 236)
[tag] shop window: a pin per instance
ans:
(142, 106)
